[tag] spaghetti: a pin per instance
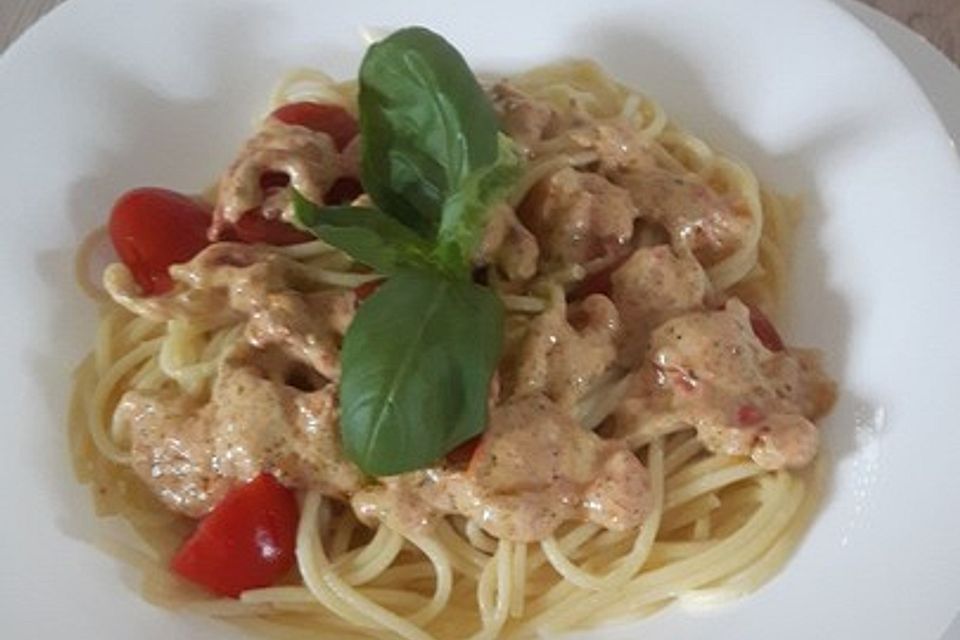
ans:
(717, 527)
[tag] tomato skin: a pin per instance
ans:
(253, 228)
(247, 541)
(763, 328)
(463, 453)
(343, 191)
(749, 415)
(367, 289)
(153, 228)
(318, 116)
(342, 127)
(274, 180)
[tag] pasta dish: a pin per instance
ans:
(442, 356)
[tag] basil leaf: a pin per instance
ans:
(417, 363)
(425, 126)
(465, 213)
(419, 355)
(367, 235)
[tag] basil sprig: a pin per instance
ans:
(419, 355)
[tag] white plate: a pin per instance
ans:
(939, 77)
(103, 96)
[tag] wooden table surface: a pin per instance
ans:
(937, 20)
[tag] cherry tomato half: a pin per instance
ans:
(153, 228)
(367, 289)
(253, 228)
(463, 454)
(342, 128)
(246, 542)
(343, 191)
(318, 116)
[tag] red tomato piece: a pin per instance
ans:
(253, 228)
(246, 542)
(274, 180)
(343, 191)
(153, 228)
(339, 125)
(464, 453)
(367, 289)
(749, 415)
(763, 328)
(318, 116)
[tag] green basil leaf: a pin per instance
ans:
(417, 363)
(465, 213)
(367, 235)
(425, 126)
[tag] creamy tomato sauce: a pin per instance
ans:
(308, 159)
(643, 238)
(535, 469)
